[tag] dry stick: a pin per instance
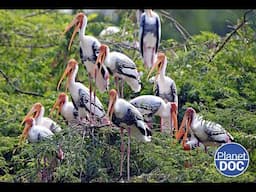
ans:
(178, 26)
(38, 13)
(16, 88)
(229, 36)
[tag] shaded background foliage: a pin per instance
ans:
(34, 55)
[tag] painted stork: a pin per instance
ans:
(65, 108)
(149, 36)
(33, 131)
(150, 105)
(89, 49)
(80, 94)
(126, 116)
(37, 112)
(165, 86)
(120, 66)
(206, 132)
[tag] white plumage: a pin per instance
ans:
(120, 66)
(37, 112)
(126, 116)
(149, 36)
(65, 108)
(33, 132)
(151, 105)
(89, 49)
(207, 132)
(80, 94)
(165, 86)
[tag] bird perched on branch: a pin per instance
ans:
(37, 112)
(165, 86)
(120, 66)
(126, 116)
(151, 105)
(207, 132)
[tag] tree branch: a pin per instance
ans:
(38, 13)
(184, 33)
(16, 88)
(239, 26)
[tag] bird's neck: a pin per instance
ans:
(72, 76)
(40, 116)
(82, 29)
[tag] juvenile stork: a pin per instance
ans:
(37, 112)
(165, 86)
(149, 36)
(120, 66)
(80, 94)
(151, 105)
(126, 116)
(65, 108)
(89, 49)
(34, 132)
(206, 132)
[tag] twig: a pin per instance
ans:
(184, 33)
(16, 88)
(219, 48)
(29, 46)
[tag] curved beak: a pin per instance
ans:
(66, 73)
(174, 116)
(25, 131)
(181, 130)
(100, 60)
(34, 112)
(75, 21)
(57, 105)
(156, 65)
(112, 101)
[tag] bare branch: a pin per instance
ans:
(16, 88)
(184, 33)
(30, 46)
(239, 26)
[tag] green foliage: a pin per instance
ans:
(34, 54)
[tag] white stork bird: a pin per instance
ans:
(165, 86)
(120, 66)
(149, 36)
(89, 49)
(151, 105)
(206, 132)
(34, 132)
(126, 116)
(80, 94)
(37, 112)
(65, 107)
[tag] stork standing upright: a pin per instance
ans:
(65, 107)
(80, 94)
(206, 132)
(126, 116)
(37, 112)
(149, 36)
(120, 66)
(89, 49)
(151, 105)
(165, 86)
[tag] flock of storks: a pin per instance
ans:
(136, 115)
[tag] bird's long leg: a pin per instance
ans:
(122, 88)
(117, 85)
(161, 124)
(90, 89)
(128, 153)
(94, 101)
(122, 150)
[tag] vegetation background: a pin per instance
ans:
(211, 57)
